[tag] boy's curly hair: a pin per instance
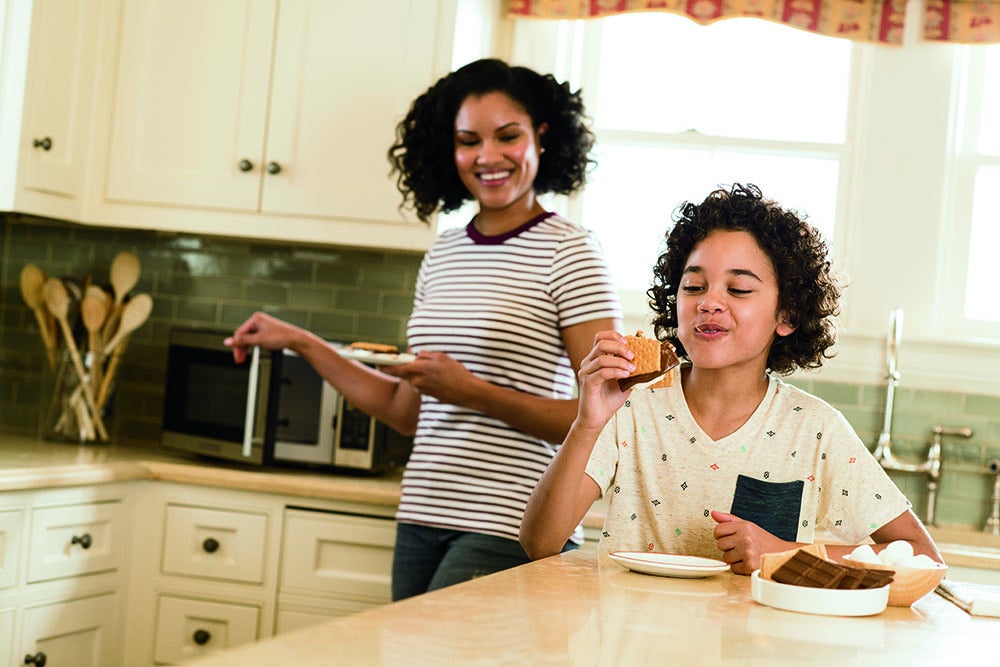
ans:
(808, 292)
(423, 156)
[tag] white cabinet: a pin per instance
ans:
(48, 61)
(206, 566)
(10, 547)
(269, 118)
(76, 633)
(332, 565)
(62, 563)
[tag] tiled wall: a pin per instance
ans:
(341, 294)
(351, 294)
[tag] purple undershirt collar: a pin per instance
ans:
(481, 239)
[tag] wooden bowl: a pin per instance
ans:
(909, 584)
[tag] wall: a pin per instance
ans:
(195, 282)
(349, 295)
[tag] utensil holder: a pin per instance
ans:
(65, 415)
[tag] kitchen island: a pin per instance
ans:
(579, 609)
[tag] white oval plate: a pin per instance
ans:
(668, 565)
(832, 602)
(376, 358)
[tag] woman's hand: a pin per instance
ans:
(742, 542)
(441, 376)
(600, 396)
(265, 331)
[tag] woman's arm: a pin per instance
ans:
(386, 398)
(437, 374)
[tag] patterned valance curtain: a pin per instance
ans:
(878, 21)
(968, 21)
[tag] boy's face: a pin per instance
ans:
(727, 303)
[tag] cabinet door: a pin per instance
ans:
(77, 633)
(10, 547)
(335, 555)
(191, 102)
(68, 541)
(188, 628)
(344, 75)
(6, 636)
(57, 106)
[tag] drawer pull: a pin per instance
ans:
(38, 659)
(273, 168)
(202, 637)
(210, 545)
(245, 165)
(44, 143)
(84, 540)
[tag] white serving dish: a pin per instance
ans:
(831, 602)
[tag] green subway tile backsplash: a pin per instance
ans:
(347, 294)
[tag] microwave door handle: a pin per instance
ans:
(251, 402)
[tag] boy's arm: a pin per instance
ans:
(906, 527)
(565, 492)
(562, 497)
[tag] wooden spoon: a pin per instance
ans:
(57, 301)
(32, 286)
(93, 311)
(134, 315)
(125, 269)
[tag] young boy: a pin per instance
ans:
(729, 462)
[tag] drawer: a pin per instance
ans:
(337, 555)
(71, 540)
(10, 547)
(215, 544)
(77, 632)
(6, 636)
(187, 628)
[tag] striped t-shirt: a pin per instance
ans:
(497, 305)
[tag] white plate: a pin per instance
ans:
(832, 602)
(377, 358)
(668, 565)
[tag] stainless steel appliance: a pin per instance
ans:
(272, 410)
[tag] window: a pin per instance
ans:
(975, 226)
(680, 109)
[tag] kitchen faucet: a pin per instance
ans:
(883, 449)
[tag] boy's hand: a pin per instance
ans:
(743, 542)
(600, 396)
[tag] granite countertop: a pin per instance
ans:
(30, 463)
(577, 609)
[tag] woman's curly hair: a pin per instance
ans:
(423, 156)
(808, 292)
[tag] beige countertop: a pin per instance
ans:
(29, 463)
(571, 609)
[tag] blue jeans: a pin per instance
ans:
(427, 559)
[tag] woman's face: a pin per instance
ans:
(496, 151)
(727, 303)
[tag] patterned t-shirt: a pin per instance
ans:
(794, 465)
(497, 305)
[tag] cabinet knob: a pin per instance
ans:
(45, 143)
(273, 168)
(84, 540)
(38, 659)
(245, 165)
(202, 637)
(210, 545)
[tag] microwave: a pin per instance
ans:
(271, 410)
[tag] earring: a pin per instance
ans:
(541, 150)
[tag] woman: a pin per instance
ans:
(505, 310)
